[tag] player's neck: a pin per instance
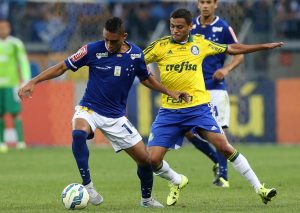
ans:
(207, 20)
(124, 48)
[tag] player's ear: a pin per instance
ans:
(125, 36)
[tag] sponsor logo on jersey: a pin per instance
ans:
(217, 29)
(217, 49)
(179, 101)
(134, 56)
(101, 55)
(181, 48)
(184, 66)
(163, 43)
(104, 68)
(79, 54)
(195, 50)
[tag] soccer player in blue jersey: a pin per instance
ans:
(179, 58)
(113, 65)
(215, 29)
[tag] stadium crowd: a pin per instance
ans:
(55, 24)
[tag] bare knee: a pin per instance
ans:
(225, 148)
(155, 161)
(189, 135)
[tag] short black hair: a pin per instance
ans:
(183, 13)
(114, 25)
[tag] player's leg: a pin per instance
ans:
(140, 155)
(162, 169)
(222, 174)
(202, 146)
(82, 129)
(13, 107)
(220, 101)
(207, 149)
(124, 136)
(167, 132)
(3, 146)
(239, 162)
(18, 124)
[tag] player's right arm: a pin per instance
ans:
(74, 62)
(50, 73)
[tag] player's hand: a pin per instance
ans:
(274, 45)
(220, 74)
(26, 90)
(179, 95)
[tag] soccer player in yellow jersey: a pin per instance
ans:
(179, 58)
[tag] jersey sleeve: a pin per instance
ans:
(230, 36)
(213, 48)
(142, 72)
(23, 61)
(78, 59)
(150, 53)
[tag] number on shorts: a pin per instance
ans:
(127, 128)
(216, 111)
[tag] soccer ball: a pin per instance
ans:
(75, 196)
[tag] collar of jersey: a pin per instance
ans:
(211, 24)
(190, 39)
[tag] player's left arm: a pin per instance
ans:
(24, 65)
(221, 73)
(230, 38)
(235, 49)
(153, 84)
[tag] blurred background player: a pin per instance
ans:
(14, 69)
(113, 65)
(215, 29)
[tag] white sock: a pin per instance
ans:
(242, 166)
(169, 174)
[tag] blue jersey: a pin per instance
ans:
(220, 32)
(110, 76)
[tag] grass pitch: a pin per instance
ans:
(32, 181)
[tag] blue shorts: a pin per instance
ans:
(170, 125)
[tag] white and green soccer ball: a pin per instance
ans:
(75, 196)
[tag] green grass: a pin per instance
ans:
(32, 181)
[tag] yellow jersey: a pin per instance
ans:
(180, 67)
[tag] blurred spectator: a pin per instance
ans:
(288, 18)
(261, 15)
(91, 19)
(140, 24)
(4, 9)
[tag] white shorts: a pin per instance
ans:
(119, 131)
(220, 100)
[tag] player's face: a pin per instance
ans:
(207, 7)
(4, 29)
(113, 41)
(179, 29)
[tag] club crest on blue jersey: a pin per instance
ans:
(117, 71)
(195, 50)
(101, 55)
